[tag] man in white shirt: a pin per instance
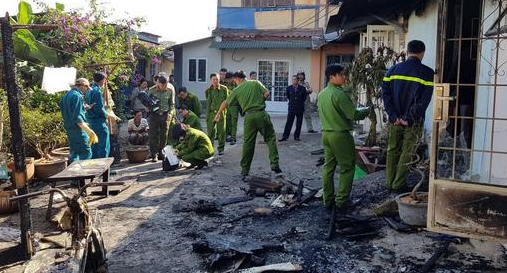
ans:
(138, 129)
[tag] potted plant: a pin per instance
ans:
(365, 76)
(44, 132)
(413, 206)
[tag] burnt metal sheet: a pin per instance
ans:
(471, 211)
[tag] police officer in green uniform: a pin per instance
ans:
(159, 118)
(232, 112)
(195, 146)
(190, 119)
(215, 95)
(251, 96)
(189, 100)
(337, 112)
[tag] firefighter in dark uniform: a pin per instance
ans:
(406, 91)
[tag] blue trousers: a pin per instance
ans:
(78, 144)
(102, 148)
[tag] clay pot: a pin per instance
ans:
(63, 152)
(30, 167)
(137, 153)
(7, 207)
(411, 211)
(45, 169)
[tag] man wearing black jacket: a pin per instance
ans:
(296, 94)
(406, 91)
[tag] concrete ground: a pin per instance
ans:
(147, 228)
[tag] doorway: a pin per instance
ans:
(468, 182)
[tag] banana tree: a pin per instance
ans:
(26, 46)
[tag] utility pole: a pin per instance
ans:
(17, 148)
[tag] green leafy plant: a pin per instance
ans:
(42, 132)
(365, 74)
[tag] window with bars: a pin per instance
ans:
(339, 59)
(153, 69)
(381, 35)
(201, 77)
(197, 70)
(275, 76)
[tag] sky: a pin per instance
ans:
(174, 20)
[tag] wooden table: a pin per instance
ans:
(81, 171)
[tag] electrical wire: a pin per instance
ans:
(309, 23)
(309, 20)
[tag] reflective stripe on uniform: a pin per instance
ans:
(408, 78)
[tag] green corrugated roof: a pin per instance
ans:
(261, 44)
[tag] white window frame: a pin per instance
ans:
(154, 68)
(366, 39)
(197, 69)
(272, 91)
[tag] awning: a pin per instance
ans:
(262, 44)
(355, 15)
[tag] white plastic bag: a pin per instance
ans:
(171, 161)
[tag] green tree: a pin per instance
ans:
(365, 74)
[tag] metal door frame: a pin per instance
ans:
(447, 195)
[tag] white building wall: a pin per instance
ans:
(489, 105)
(200, 50)
(424, 28)
(247, 59)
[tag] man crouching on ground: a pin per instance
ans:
(337, 112)
(195, 146)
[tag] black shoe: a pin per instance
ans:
(277, 170)
(201, 165)
(297, 139)
(228, 139)
(154, 159)
(312, 131)
(347, 207)
(283, 139)
(221, 153)
(233, 142)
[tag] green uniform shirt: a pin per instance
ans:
(166, 97)
(230, 86)
(336, 110)
(214, 98)
(193, 121)
(194, 140)
(250, 96)
(192, 102)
